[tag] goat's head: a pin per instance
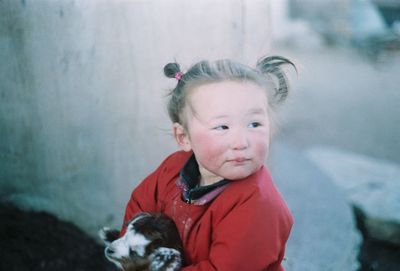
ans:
(151, 242)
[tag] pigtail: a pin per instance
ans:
(271, 66)
(176, 101)
(171, 70)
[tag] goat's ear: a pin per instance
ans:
(108, 235)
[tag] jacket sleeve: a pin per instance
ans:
(142, 199)
(145, 196)
(251, 237)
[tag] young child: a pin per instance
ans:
(229, 213)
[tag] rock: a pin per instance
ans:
(372, 186)
(324, 235)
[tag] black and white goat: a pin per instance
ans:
(151, 243)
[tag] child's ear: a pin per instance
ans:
(181, 137)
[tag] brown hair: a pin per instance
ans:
(267, 74)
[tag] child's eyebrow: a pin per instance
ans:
(256, 111)
(220, 117)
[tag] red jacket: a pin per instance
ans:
(244, 228)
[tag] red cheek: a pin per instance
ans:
(206, 146)
(261, 149)
(201, 139)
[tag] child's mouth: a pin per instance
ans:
(239, 160)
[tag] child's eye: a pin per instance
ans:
(254, 125)
(221, 127)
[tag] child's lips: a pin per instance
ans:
(239, 160)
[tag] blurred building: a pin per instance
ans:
(372, 25)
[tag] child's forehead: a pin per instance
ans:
(227, 92)
(227, 100)
(228, 84)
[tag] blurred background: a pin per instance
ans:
(83, 118)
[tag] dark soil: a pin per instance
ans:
(34, 241)
(375, 255)
(379, 256)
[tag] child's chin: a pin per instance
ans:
(238, 176)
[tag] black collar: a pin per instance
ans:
(190, 176)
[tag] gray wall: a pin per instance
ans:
(82, 115)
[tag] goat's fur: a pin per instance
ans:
(151, 243)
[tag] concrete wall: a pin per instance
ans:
(82, 116)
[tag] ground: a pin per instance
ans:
(34, 241)
(343, 99)
(378, 256)
(39, 241)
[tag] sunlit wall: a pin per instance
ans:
(82, 93)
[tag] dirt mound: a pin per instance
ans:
(39, 241)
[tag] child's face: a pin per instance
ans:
(228, 129)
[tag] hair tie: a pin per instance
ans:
(178, 75)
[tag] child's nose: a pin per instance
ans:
(239, 141)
